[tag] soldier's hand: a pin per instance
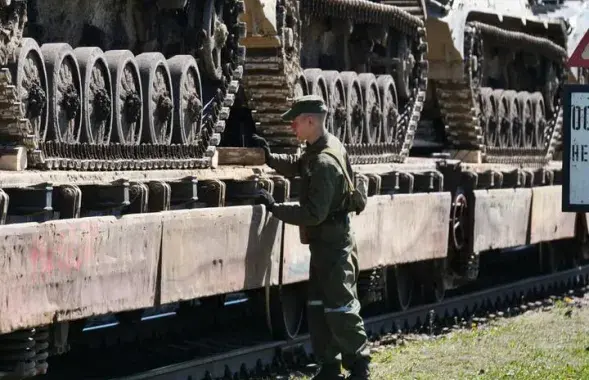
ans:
(265, 198)
(261, 142)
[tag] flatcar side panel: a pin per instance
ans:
(69, 269)
(501, 218)
(403, 228)
(548, 221)
(295, 259)
(211, 251)
(392, 229)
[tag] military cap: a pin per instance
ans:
(305, 104)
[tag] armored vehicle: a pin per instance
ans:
(157, 93)
(115, 85)
(366, 59)
(496, 72)
(575, 15)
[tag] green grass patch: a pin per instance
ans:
(547, 345)
(537, 345)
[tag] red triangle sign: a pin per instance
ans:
(580, 57)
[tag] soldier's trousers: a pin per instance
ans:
(335, 325)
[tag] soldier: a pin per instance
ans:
(322, 215)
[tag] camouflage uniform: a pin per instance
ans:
(335, 325)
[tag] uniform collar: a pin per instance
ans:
(319, 144)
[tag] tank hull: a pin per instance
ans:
(498, 71)
(575, 14)
(116, 85)
(348, 56)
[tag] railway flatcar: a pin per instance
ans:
(127, 128)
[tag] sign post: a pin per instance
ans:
(575, 165)
(575, 127)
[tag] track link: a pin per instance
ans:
(148, 121)
(414, 8)
(510, 127)
(273, 77)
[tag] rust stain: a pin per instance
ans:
(67, 250)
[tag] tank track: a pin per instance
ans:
(472, 113)
(273, 77)
(156, 142)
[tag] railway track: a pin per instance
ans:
(246, 353)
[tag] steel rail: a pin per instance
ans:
(244, 361)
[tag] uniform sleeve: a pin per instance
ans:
(285, 164)
(314, 209)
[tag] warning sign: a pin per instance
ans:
(580, 57)
(575, 186)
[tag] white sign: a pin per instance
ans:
(576, 149)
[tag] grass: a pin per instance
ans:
(546, 345)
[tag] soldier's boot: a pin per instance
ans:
(329, 372)
(360, 370)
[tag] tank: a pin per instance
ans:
(121, 86)
(118, 84)
(366, 59)
(575, 14)
(496, 72)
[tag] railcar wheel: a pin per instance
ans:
(465, 262)
(435, 285)
(399, 287)
(65, 90)
(577, 248)
(97, 95)
(287, 310)
(561, 255)
(188, 104)
(459, 220)
(472, 266)
(582, 239)
(31, 86)
(551, 261)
